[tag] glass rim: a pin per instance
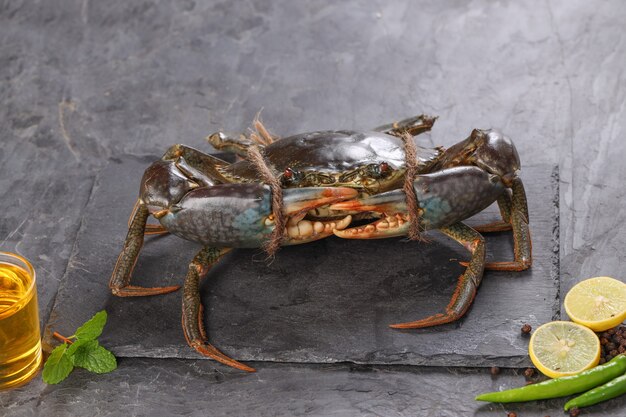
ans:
(29, 269)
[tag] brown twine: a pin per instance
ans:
(262, 137)
(268, 176)
(260, 134)
(410, 154)
(263, 132)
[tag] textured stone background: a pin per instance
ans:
(82, 82)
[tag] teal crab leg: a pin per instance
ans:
(468, 282)
(122, 273)
(413, 126)
(193, 311)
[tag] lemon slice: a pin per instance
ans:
(598, 303)
(561, 348)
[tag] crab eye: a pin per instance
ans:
(380, 170)
(291, 177)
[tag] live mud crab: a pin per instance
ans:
(329, 181)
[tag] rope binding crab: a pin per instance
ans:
(268, 175)
(410, 155)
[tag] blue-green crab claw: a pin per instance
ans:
(240, 215)
(445, 197)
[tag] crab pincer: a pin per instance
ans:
(445, 198)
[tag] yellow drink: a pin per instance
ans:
(20, 343)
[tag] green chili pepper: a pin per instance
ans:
(611, 389)
(560, 387)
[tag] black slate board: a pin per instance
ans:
(328, 301)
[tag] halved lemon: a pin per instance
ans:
(561, 348)
(598, 303)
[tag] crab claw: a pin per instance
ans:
(239, 215)
(445, 197)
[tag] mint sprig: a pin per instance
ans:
(84, 352)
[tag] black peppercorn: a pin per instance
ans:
(529, 372)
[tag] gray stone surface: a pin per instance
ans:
(83, 81)
(152, 387)
(328, 301)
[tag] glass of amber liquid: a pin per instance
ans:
(20, 342)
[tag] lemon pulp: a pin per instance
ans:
(598, 303)
(561, 348)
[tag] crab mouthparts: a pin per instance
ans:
(394, 221)
(388, 226)
(300, 230)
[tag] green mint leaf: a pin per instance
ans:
(71, 349)
(93, 357)
(58, 366)
(93, 327)
(85, 352)
(81, 348)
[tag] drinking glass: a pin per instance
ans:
(20, 342)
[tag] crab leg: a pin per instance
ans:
(196, 165)
(522, 244)
(504, 204)
(149, 229)
(413, 126)
(192, 307)
(230, 142)
(122, 273)
(155, 229)
(514, 211)
(468, 282)
(240, 143)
